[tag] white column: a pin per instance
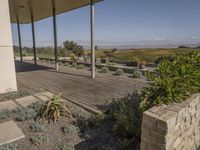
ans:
(92, 39)
(7, 67)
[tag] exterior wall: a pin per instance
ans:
(7, 67)
(173, 127)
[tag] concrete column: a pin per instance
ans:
(55, 35)
(92, 39)
(33, 37)
(7, 66)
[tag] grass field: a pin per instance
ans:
(147, 55)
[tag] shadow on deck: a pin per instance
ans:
(75, 85)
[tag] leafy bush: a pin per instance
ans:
(119, 72)
(67, 147)
(8, 147)
(174, 80)
(137, 74)
(25, 114)
(36, 106)
(36, 127)
(38, 140)
(80, 67)
(5, 114)
(104, 70)
(53, 109)
(74, 65)
(127, 117)
(95, 120)
(66, 64)
(69, 129)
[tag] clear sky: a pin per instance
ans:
(123, 22)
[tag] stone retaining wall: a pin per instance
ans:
(173, 127)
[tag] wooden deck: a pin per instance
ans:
(76, 85)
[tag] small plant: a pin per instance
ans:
(69, 129)
(53, 109)
(137, 74)
(95, 120)
(36, 106)
(80, 67)
(38, 140)
(25, 114)
(104, 70)
(66, 64)
(60, 63)
(36, 127)
(5, 114)
(74, 65)
(119, 72)
(8, 147)
(67, 147)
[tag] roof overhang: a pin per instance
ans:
(41, 9)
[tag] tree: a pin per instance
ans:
(73, 47)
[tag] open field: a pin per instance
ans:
(147, 55)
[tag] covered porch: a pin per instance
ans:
(28, 12)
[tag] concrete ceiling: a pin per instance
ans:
(41, 9)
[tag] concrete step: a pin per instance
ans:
(9, 132)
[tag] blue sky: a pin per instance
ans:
(123, 22)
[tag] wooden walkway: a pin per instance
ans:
(76, 85)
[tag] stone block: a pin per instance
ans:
(10, 105)
(25, 101)
(9, 132)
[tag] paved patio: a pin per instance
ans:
(76, 85)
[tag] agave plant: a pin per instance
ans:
(54, 109)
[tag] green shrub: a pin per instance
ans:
(137, 74)
(119, 72)
(8, 147)
(66, 64)
(25, 114)
(174, 80)
(60, 63)
(69, 129)
(67, 147)
(95, 120)
(104, 70)
(127, 117)
(36, 106)
(5, 114)
(38, 140)
(80, 67)
(36, 127)
(74, 65)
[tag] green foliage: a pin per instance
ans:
(74, 65)
(36, 127)
(38, 140)
(67, 147)
(25, 114)
(119, 72)
(80, 67)
(137, 74)
(104, 70)
(69, 129)
(36, 106)
(5, 114)
(95, 120)
(8, 147)
(174, 80)
(54, 109)
(74, 48)
(127, 117)
(66, 64)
